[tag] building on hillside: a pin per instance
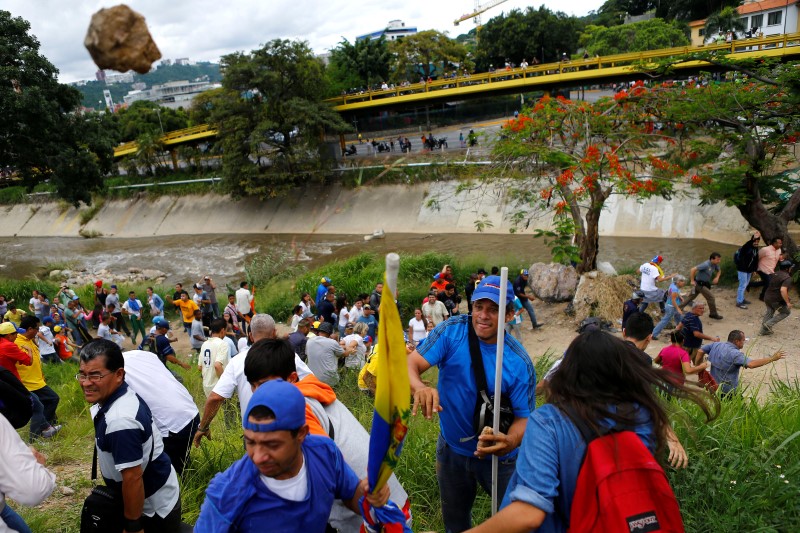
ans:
(173, 94)
(650, 15)
(396, 29)
(118, 77)
(765, 17)
(182, 61)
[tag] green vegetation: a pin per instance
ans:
(41, 140)
(637, 37)
(15, 194)
(86, 215)
(279, 289)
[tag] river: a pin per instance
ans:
(188, 257)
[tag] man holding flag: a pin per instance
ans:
(461, 452)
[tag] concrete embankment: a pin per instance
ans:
(421, 208)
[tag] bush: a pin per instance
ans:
(13, 195)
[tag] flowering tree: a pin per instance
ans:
(572, 156)
(739, 138)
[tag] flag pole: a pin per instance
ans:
(498, 376)
(392, 269)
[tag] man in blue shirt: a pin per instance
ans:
(693, 335)
(322, 290)
(288, 479)
(130, 451)
(371, 322)
(726, 359)
(461, 455)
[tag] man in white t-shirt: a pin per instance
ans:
(214, 356)
(652, 274)
(262, 326)
(172, 406)
(434, 309)
(46, 341)
(243, 299)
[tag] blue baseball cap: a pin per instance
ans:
(22, 331)
(283, 399)
(489, 289)
(524, 271)
(160, 322)
(47, 320)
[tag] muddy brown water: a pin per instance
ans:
(187, 257)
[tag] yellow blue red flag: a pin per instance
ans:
(392, 405)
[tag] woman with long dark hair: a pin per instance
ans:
(604, 383)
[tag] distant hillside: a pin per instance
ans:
(93, 91)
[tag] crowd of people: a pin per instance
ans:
(305, 452)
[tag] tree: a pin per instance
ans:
(737, 138)
(148, 117)
(535, 33)
(688, 10)
(427, 53)
(725, 20)
(637, 37)
(365, 62)
(570, 157)
(272, 107)
(39, 137)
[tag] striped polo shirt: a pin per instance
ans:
(125, 435)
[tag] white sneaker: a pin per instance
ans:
(51, 431)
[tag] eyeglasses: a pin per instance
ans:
(94, 378)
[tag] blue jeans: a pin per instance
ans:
(528, 306)
(13, 520)
(744, 280)
(459, 476)
(669, 313)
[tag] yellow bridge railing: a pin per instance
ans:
(581, 71)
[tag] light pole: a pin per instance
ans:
(158, 113)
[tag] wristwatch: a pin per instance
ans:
(132, 525)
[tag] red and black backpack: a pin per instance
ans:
(621, 487)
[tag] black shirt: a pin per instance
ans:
(326, 310)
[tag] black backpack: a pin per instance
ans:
(15, 400)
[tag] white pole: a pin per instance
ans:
(392, 269)
(498, 375)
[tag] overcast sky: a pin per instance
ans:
(207, 29)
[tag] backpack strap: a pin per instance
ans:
(477, 359)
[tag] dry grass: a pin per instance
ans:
(603, 296)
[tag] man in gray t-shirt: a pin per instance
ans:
(323, 355)
(197, 334)
(703, 276)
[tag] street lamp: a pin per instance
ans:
(158, 112)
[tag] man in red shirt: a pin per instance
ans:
(10, 353)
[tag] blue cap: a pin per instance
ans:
(283, 399)
(160, 322)
(47, 320)
(76, 297)
(21, 331)
(489, 289)
(524, 271)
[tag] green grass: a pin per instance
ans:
(87, 214)
(16, 194)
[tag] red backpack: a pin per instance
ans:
(621, 487)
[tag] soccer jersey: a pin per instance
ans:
(213, 351)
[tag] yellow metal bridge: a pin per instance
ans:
(572, 73)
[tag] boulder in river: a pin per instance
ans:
(553, 282)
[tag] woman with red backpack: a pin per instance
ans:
(604, 394)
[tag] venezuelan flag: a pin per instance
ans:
(392, 408)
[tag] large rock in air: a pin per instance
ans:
(553, 282)
(118, 39)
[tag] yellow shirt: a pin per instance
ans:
(371, 367)
(31, 376)
(15, 317)
(187, 309)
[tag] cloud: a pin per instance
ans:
(206, 29)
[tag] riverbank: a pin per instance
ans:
(424, 208)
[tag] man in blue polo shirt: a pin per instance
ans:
(288, 479)
(460, 463)
(726, 359)
(129, 447)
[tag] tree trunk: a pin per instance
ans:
(591, 242)
(769, 224)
